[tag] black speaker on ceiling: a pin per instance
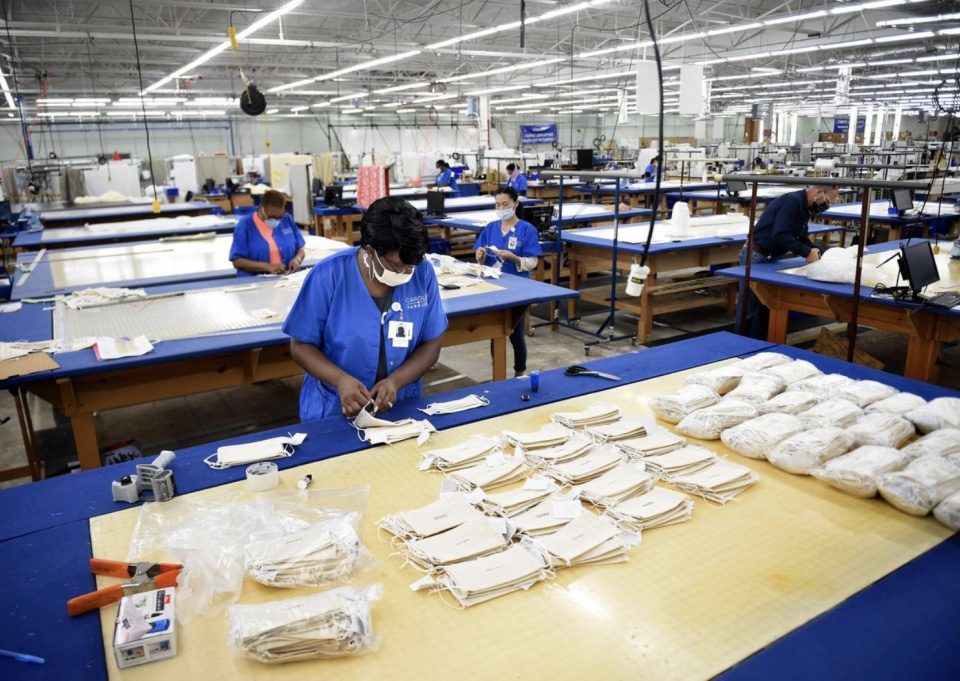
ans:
(252, 101)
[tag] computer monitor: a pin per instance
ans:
(918, 266)
(584, 159)
(902, 200)
(333, 195)
(5, 214)
(540, 217)
(734, 187)
(317, 186)
(435, 203)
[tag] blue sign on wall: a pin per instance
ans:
(843, 124)
(538, 134)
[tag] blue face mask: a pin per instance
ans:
(272, 222)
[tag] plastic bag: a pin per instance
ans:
(885, 430)
(864, 393)
(720, 380)
(789, 402)
(836, 412)
(938, 443)
(756, 437)
(923, 484)
(791, 372)
(209, 535)
(898, 404)
(762, 360)
(803, 451)
(756, 388)
(706, 424)
(673, 407)
(948, 511)
(943, 412)
(824, 385)
(333, 623)
(856, 472)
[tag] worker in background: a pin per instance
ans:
(267, 241)
(650, 172)
(517, 180)
(445, 176)
(781, 229)
(515, 244)
(367, 323)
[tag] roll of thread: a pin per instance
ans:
(263, 476)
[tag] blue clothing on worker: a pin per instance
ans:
(335, 312)
(782, 227)
(446, 178)
(650, 173)
(247, 242)
(518, 182)
(521, 240)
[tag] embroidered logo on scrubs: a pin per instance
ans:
(414, 302)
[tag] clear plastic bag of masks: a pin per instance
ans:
(209, 534)
(333, 623)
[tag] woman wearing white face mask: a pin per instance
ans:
(267, 241)
(515, 244)
(367, 323)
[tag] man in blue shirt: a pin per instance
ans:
(445, 176)
(514, 243)
(517, 180)
(367, 323)
(781, 229)
(267, 241)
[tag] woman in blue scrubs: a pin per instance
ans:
(650, 172)
(367, 323)
(445, 176)
(514, 243)
(517, 180)
(267, 241)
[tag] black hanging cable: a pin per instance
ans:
(660, 165)
(143, 107)
(93, 91)
(16, 88)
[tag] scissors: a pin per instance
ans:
(577, 370)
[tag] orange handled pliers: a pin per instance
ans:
(141, 576)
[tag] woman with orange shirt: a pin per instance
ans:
(267, 241)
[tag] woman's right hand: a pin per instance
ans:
(353, 395)
(481, 255)
(276, 268)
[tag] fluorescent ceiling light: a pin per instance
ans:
(6, 92)
(220, 47)
(503, 69)
(919, 35)
(320, 105)
(949, 31)
(270, 112)
(487, 91)
(313, 93)
(790, 18)
(795, 50)
(406, 110)
(296, 109)
(402, 88)
(919, 20)
(55, 102)
(346, 98)
(734, 29)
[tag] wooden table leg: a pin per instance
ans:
(499, 358)
(645, 322)
(573, 307)
(922, 359)
(85, 438)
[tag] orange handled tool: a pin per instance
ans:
(142, 576)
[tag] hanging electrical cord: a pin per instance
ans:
(28, 154)
(101, 159)
(143, 108)
(660, 167)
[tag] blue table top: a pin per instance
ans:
(50, 238)
(34, 322)
(94, 213)
(641, 188)
(477, 221)
(743, 198)
(770, 273)
(586, 237)
(903, 626)
(841, 211)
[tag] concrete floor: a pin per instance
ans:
(182, 422)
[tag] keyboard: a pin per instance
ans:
(947, 299)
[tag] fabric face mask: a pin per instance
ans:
(387, 277)
(251, 452)
(506, 213)
(272, 223)
(453, 406)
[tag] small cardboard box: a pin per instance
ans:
(145, 630)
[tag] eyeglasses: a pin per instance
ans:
(401, 268)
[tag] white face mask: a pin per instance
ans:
(386, 277)
(251, 452)
(506, 213)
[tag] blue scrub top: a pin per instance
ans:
(446, 178)
(525, 243)
(335, 312)
(519, 184)
(247, 242)
(651, 172)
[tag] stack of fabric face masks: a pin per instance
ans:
(856, 472)
(540, 458)
(898, 404)
(721, 481)
(756, 388)
(801, 452)
(834, 412)
(762, 360)
(322, 554)
(654, 443)
(923, 484)
(548, 516)
(825, 386)
(453, 406)
(252, 452)
(472, 539)
(885, 430)
(548, 436)
(679, 461)
(483, 579)
(379, 431)
(443, 514)
(708, 423)
(329, 624)
(496, 471)
(720, 380)
(943, 412)
(596, 462)
(622, 429)
(656, 508)
(938, 443)
(464, 455)
(789, 402)
(791, 372)
(624, 481)
(595, 415)
(513, 502)
(865, 393)
(586, 540)
(674, 406)
(756, 437)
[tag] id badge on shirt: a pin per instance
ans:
(512, 243)
(400, 333)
